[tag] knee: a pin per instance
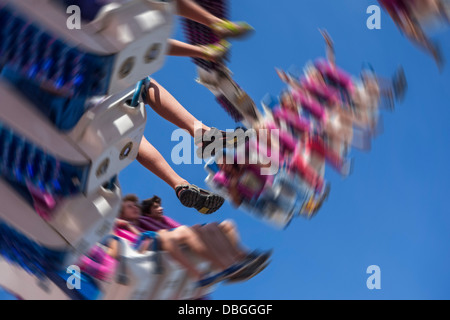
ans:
(182, 230)
(228, 226)
(181, 234)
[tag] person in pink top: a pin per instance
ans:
(203, 241)
(127, 224)
(217, 242)
(153, 218)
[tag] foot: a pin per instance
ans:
(220, 139)
(228, 29)
(216, 52)
(254, 263)
(204, 201)
(211, 280)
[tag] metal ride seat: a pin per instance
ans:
(61, 69)
(151, 275)
(60, 190)
(35, 251)
(39, 157)
(136, 276)
(28, 286)
(67, 129)
(72, 227)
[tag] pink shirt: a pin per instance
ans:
(150, 224)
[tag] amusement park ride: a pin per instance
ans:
(72, 119)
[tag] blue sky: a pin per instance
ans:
(391, 212)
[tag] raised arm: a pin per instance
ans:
(330, 47)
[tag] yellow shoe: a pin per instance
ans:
(227, 29)
(217, 51)
(309, 207)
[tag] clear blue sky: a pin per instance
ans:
(391, 212)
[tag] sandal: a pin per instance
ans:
(228, 140)
(251, 263)
(227, 29)
(217, 51)
(247, 274)
(256, 262)
(203, 200)
(221, 276)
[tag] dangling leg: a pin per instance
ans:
(212, 52)
(157, 97)
(151, 159)
(230, 231)
(192, 11)
(189, 195)
(171, 245)
(170, 109)
(185, 235)
(222, 251)
(223, 28)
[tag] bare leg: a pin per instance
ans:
(185, 235)
(171, 245)
(170, 109)
(192, 11)
(151, 159)
(221, 243)
(229, 230)
(182, 49)
(207, 52)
